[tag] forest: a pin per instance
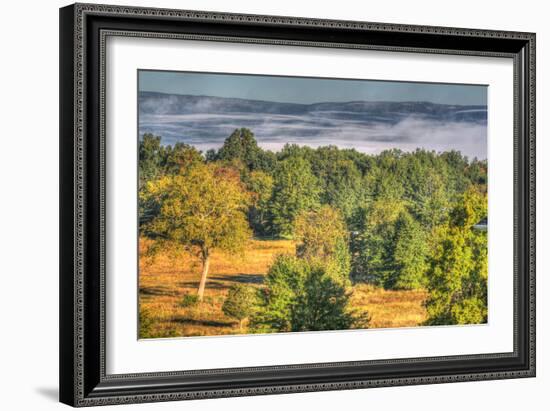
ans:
(342, 223)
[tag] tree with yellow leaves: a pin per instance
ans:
(201, 209)
(458, 269)
(322, 235)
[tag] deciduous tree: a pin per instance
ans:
(458, 270)
(260, 186)
(202, 209)
(322, 235)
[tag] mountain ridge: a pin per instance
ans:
(171, 103)
(206, 121)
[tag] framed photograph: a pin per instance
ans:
(261, 204)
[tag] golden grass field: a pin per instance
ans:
(165, 279)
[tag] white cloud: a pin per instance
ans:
(369, 135)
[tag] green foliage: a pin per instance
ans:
(469, 209)
(409, 252)
(166, 333)
(151, 155)
(295, 190)
(477, 172)
(339, 174)
(456, 164)
(302, 295)
(392, 248)
(189, 300)
(339, 178)
(180, 157)
(203, 208)
(145, 323)
(322, 234)
(458, 268)
(240, 303)
(409, 196)
(318, 232)
(401, 220)
(322, 303)
(260, 186)
(284, 280)
(242, 145)
(373, 243)
(425, 191)
(151, 160)
(156, 161)
(340, 262)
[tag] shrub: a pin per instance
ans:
(189, 300)
(166, 333)
(145, 324)
(302, 295)
(240, 303)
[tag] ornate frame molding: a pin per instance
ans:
(82, 336)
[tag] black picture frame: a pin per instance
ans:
(83, 30)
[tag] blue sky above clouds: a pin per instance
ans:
(308, 90)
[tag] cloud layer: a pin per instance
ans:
(369, 127)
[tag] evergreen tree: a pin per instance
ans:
(302, 295)
(295, 190)
(151, 155)
(373, 244)
(181, 157)
(409, 253)
(242, 145)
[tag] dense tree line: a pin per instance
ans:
(399, 220)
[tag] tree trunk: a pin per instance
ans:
(205, 265)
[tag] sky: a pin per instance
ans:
(308, 90)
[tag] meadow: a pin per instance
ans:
(168, 283)
(244, 240)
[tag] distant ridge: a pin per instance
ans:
(368, 126)
(393, 112)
